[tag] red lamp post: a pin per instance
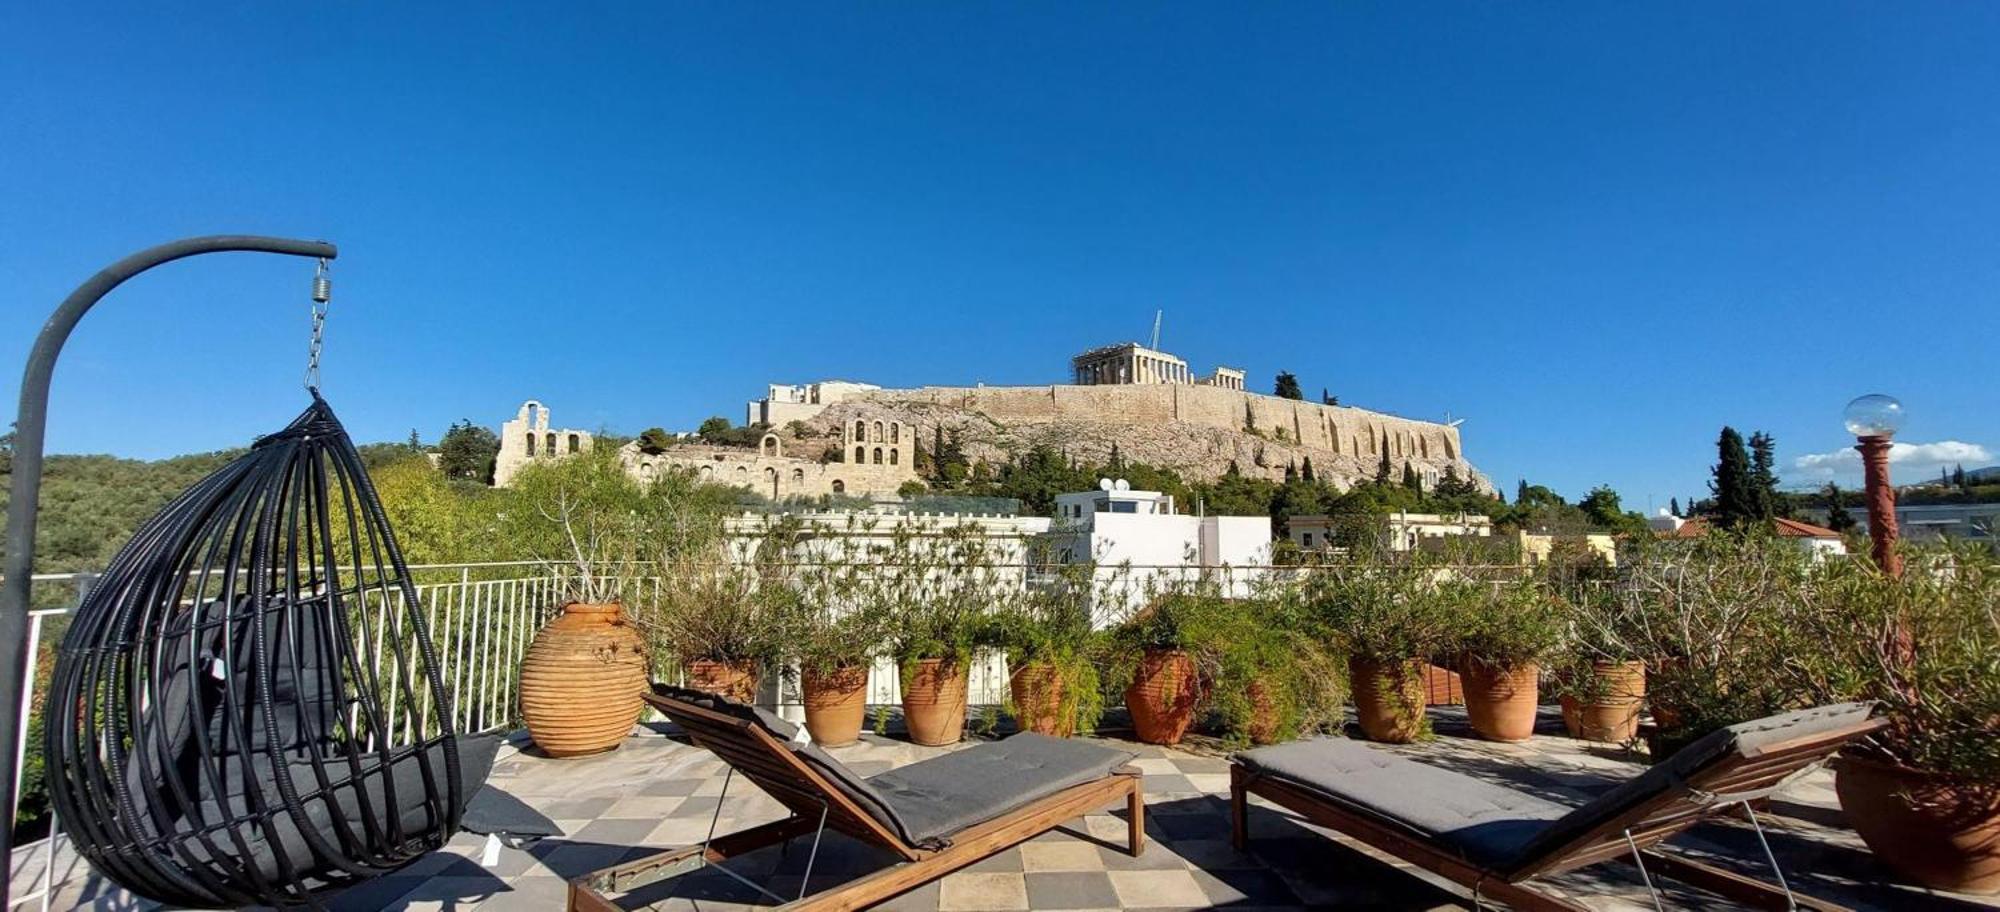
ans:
(1874, 419)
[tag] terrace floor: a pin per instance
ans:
(656, 791)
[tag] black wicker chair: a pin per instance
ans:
(247, 707)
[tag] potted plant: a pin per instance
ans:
(584, 673)
(1924, 794)
(939, 586)
(1700, 613)
(1053, 684)
(1159, 652)
(1506, 631)
(833, 636)
(1388, 617)
(1272, 678)
(720, 621)
(1600, 679)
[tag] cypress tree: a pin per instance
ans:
(1410, 479)
(1764, 475)
(1291, 472)
(1521, 491)
(1735, 494)
(1674, 506)
(1306, 470)
(1382, 470)
(1957, 473)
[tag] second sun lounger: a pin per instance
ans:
(936, 815)
(1495, 840)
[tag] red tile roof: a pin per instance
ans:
(1786, 528)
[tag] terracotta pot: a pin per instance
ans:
(1263, 726)
(735, 680)
(1500, 702)
(1613, 715)
(1162, 696)
(836, 703)
(581, 681)
(1038, 694)
(1937, 830)
(1388, 698)
(934, 702)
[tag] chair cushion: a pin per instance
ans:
(1741, 739)
(927, 801)
(935, 798)
(1483, 823)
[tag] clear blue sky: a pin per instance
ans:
(1597, 232)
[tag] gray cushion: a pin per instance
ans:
(933, 799)
(1495, 826)
(1485, 823)
(927, 801)
(1743, 738)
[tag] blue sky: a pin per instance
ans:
(1596, 232)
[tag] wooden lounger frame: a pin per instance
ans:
(1736, 780)
(752, 751)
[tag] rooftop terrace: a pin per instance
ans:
(657, 791)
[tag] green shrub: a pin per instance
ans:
(1509, 624)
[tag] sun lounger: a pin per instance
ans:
(936, 815)
(1496, 840)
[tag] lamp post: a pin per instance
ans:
(1874, 419)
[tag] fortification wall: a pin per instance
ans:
(1338, 430)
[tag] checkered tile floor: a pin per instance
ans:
(657, 792)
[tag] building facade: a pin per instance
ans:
(785, 403)
(876, 457)
(1142, 547)
(528, 437)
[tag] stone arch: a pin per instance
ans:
(839, 487)
(646, 471)
(707, 471)
(771, 474)
(878, 455)
(551, 448)
(860, 430)
(770, 446)
(895, 432)
(798, 476)
(860, 455)
(531, 444)
(575, 443)
(892, 455)
(877, 435)
(531, 413)
(742, 471)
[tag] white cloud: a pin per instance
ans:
(1902, 455)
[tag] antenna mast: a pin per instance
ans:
(1156, 330)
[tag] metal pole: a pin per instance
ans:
(29, 426)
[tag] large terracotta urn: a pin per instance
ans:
(735, 680)
(1939, 831)
(1037, 689)
(934, 696)
(836, 704)
(582, 680)
(1162, 696)
(1500, 702)
(1388, 698)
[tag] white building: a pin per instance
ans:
(1141, 544)
(1400, 531)
(786, 403)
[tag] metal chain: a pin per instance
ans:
(322, 292)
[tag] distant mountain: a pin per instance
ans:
(1976, 476)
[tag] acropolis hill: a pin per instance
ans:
(838, 437)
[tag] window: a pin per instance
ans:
(860, 455)
(798, 476)
(839, 487)
(878, 455)
(574, 443)
(552, 443)
(1124, 506)
(1308, 539)
(892, 457)
(531, 445)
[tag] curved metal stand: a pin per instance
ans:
(30, 424)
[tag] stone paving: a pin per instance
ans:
(657, 792)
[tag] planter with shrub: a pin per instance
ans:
(1053, 682)
(1506, 631)
(1388, 618)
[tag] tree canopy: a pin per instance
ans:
(1287, 386)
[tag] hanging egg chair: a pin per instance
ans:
(247, 707)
